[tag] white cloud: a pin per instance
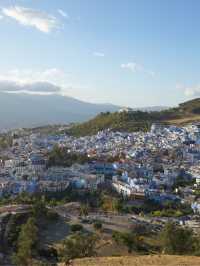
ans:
(192, 91)
(30, 17)
(25, 77)
(98, 54)
(189, 91)
(31, 88)
(135, 67)
(63, 13)
(131, 66)
(44, 81)
(1, 17)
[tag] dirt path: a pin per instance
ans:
(140, 261)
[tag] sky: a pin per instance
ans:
(127, 52)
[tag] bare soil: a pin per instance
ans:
(154, 260)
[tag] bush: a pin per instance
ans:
(48, 253)
(157, 213)
(39, 209)
(168, 213)
(97, 225)
(130, 240)
(178, 241)
(78, 245)
(140, 229)
(52, 216)
(61, 157)
(76, 227)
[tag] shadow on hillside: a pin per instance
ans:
(54, 232)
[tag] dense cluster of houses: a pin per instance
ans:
(139, 164)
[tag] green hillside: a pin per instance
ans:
(192, 106)
(138, 120)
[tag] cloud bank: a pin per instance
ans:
(51, 80)
(34, 88)
(53, 75)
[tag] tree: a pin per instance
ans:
(76, 227)
(140, 229)
(97, 225)
(128, 239)
(27, 243)
(13, 228)
(178, 240)
(118, 205)
(78, 245)
(84, 210)
(62, 157)
(39, 209)
(111, 204)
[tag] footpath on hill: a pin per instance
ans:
(154, 260)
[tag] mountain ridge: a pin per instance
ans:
(33, 110)
(25, 110)
(139, 120)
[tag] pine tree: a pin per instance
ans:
(26, 245)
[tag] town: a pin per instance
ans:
(99, 133)
(161, 165)
(130, 186)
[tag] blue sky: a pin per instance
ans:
(130, 52)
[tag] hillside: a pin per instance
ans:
(154, 260)
(133, 121)
(192, 106)
(138, 120)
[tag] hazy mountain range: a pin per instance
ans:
(27, 110)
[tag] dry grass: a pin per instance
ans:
(183, 121)
(154, 260)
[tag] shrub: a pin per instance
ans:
(53, 216)
(97, 225)
(128, 239)
(178, 240)
(76, 227)
(78, 245)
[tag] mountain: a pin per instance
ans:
(139, 120)
(31, 110)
